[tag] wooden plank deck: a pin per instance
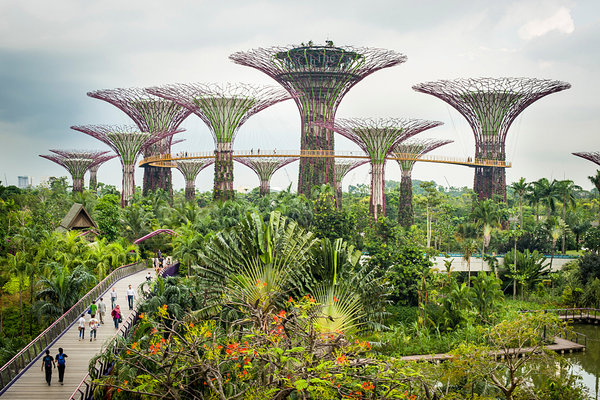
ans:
(32, 384)
(560, 346)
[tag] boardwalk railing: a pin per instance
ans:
(573, 313)
(85, 390)
(169, 160)
(20, 362)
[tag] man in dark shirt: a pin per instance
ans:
(47, 363)
(61, 362)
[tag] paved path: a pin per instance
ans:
(32, 384)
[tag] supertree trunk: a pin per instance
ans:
(265, 187)
(78, 185)
(377, 204)
(128, 188)
(190, 190)
(223, 184)
(338, 194)
(93, 178)
(405, 208)
(157, 178)
(316, 171)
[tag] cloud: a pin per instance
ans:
(560, 21)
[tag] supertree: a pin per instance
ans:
(152, 115)
(94, 169)
(127, 142)
(490, 106)
(407, 153)
(265, 167)
(342, 167)
(76, 162)
(378, 138)
(224, 109)
(320, 76)
(593, 156)
(190, 170)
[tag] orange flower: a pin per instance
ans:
(335, 298)
(290, 299)
(125, 383)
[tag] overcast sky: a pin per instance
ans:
(53, 52)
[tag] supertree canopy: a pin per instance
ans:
(76, 162)
(127, 142)
(490, 106)
(405, 152)
(342, 167)
(318, 77)
(593, 156)
(265, 167)
(190, 170)
(152, 115)
(224, 109)
(378, 138)
(94, 169)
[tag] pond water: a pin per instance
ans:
(587, 364)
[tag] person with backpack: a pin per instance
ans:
(47, 364)
(93, 309)
(60, 361)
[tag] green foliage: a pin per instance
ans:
(107, 216)
(329, 221)
(589, 267)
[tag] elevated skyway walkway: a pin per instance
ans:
(22, 377)
(168, 160)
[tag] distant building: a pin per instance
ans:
(25, 182)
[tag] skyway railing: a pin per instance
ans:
(20, 362)
(168, 160)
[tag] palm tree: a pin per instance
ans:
(520, 188)
(487, 217)
(595, 179)
(557, 230)
(567, 189)
(465, 235)
(548, 194)
(62, 290)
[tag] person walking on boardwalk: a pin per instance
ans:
(113, 298)
(148, 277)
(61, 363)
(47, 364)
(93, 327)
(116, 315)
(130, 297)
(101, 310)
(81, 326)
(93, 308)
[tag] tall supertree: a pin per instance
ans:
(342, 167)
(321, 76)
(378, 138)
(407, 153)
(94, 169)
(76, 162)
(190, 170)
(490, 106)
(152, 115)
(265, 167)
(593, 156)
(224, 109)
(128, 143)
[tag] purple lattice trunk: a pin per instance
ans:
(93, 178)
(338, 194)
(405, 208)
(316, 171)
(190, 190)
(128, 186)
(223, 183)
(78, 185)
(377, 203)
(265, 187)
(157, 178)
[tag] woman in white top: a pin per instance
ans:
(130, 296)
(81, 326)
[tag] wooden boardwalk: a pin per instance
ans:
(560, 346)
(32, 384)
